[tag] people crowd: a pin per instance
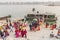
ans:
(20, 28)
(7, 28)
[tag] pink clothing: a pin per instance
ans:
(23, 32)
(25, 24)
(7, 27)
(15, 25)
(6, 33)
(33, 28)
(17, 33)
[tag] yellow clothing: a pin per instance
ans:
(41, 23)
(21, 27)
(0, 27)
(24, 28)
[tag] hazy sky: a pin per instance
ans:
(27, 0)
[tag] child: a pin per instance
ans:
(7, 26)
(58, 32)
(15, 25)
(25, 33)
(30, 27)
(6, 33)
(18, 23)
(17, 32)
(25, 24)
(4, 37)
(22, 27)
(1, 34)
(11, 27)
(52, 27)
(47, 25)
(55, 25)
(4, 27)
(33, 28)
(38, 28)
(22, 33)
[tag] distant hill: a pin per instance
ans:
(31, 3)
